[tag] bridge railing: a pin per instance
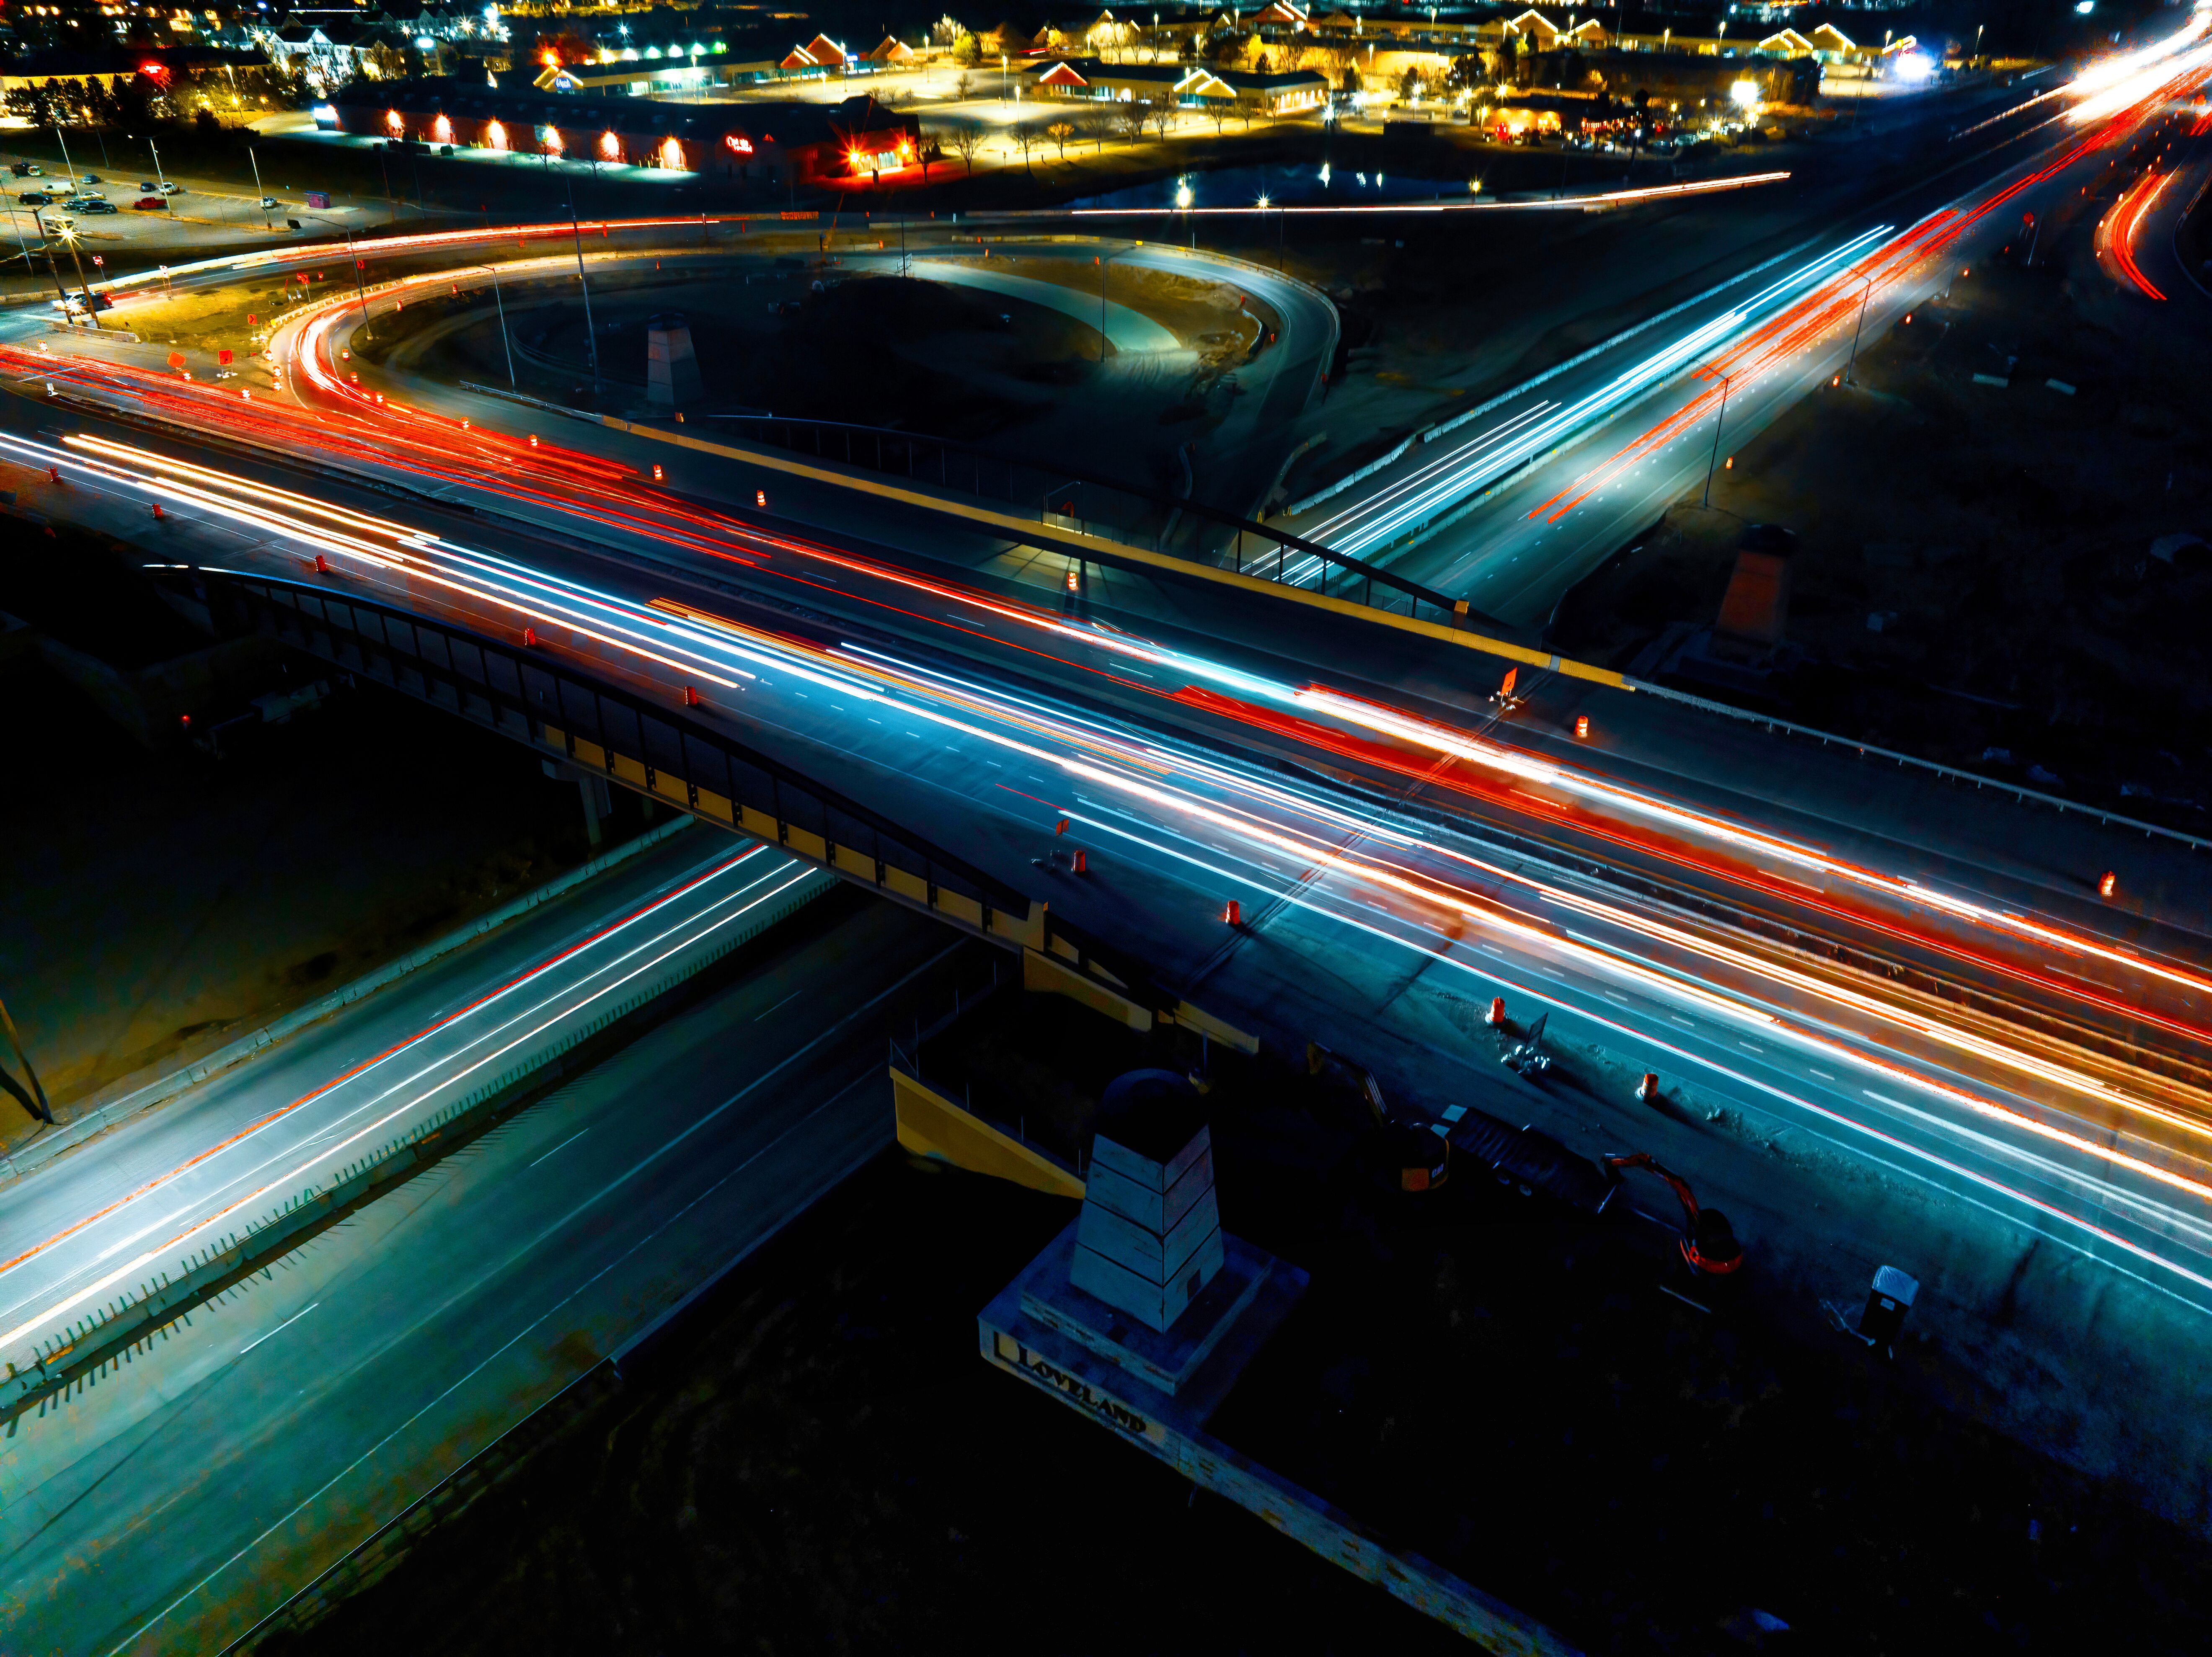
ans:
(627, 734)
(1065, 498)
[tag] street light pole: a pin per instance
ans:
(1103, 260)
(15, 224)
(53, 264)
(36, 1101)
(1865, 293)
(1726, 379)
(258, 191)
(360, 287)
(160, 176)
(504, 340)
(591, 336)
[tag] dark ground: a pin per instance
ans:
(859, 352)
(2002, 534)
(818, 1459)
(161, 900)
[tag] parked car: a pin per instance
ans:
(35, 199)
(25, 169)
(97, 205)
(94, 178)
(268, 202)
(171, 187)
(147, 187)
(151, 204)
(79, 204)
(60, 221)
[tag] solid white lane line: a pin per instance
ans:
(563, 1146)
(279, 1329)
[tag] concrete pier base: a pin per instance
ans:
(1157, 1388)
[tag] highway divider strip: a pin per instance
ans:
(87, 1343)
(99, 1119)
(1103, 549)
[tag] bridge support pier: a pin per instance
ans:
(599, 799)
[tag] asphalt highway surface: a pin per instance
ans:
(1882, 967)
(173, 1499)
(2051, 1071)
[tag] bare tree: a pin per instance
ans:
(1131, 117)
(1161, 111)
(1024, 139)
(1060, 132)
(965, 141)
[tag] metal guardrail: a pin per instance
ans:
(1069, 500)
(100, 1118)
(1913, 761)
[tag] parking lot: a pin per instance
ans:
(202, 216)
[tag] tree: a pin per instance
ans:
(132, 97)
(1060, 132)
(32, 102)
(1131, 117)
(1025, 138)
(100, 102)
(946, 31)
(965, 141)
(1161, 111)
(960, 88)
(1334, 60)
(967, 51)
(1409, 84)
(387, 62)
(1465, 73)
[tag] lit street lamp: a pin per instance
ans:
(84, 290)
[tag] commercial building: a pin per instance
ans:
(1188, 86)
(781, 143)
